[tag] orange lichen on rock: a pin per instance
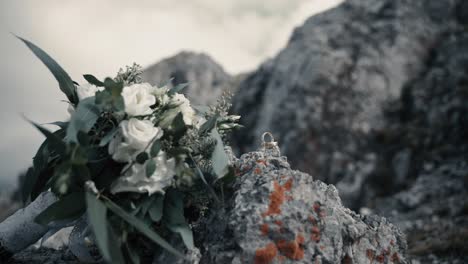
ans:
(347, 260)
(380, 258)
(278, 223)
(266, 255)
(257, 171)
(277, 198)
(370, 254)
(315, 234)
(264, 162)
(264, 229)
(313, 220)
(288, 185)
(292, 249)
(300, 239)
(395, 258)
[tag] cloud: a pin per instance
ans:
(90, 36)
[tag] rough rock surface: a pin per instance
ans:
(206, 78)
(279, 215)
(323, 94)
(428, 130)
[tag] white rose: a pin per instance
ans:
(138, 99)
(139, 133)
(184, 105)
(134, 136)
(120, 150)
(135, 179)
(87, 90)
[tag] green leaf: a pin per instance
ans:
(83, 138)
(70, 207)
(111, 97)
(178, 126)
(62, 179)
(107, 138)
(142, 157)
(209, 124)
(177, 88)
(83, 119)
(202, 177)
(155, 148)
(142, 227)
(55, 142)
(156, 209)
(59, 124)
(134, 257)
(174, 207)
(174, 218)
(219, 157)
(65, 82)
(93, 80)
(146, 204)
(97, 212)
(150, 167)
(185, 232)
(109, 83)
(115, 245)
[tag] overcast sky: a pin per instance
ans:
(100, 36)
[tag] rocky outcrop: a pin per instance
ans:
(323, 94)
(205, 77)
(279, 215)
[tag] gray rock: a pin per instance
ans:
(206, 78)
(431, 119)
(279, 215)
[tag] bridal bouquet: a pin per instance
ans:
(132, 158)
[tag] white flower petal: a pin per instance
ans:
(138, 99)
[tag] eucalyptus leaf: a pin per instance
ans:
(142, 227)
(219, 157)
(146, 204)
(142, 157)
(178, 127)
(209, 124)
(156, 209)
(65, 82)
(83, 119)
(174, 218)
(150, 167)
(155, 148)
(97, 216)
(177, 88)
(69, 207)
(185, 232)
(93, 80)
